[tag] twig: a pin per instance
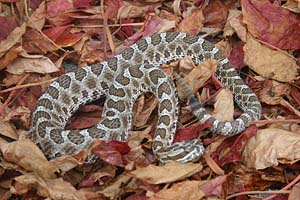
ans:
(259, 192)
(12, 94)
(27, 85)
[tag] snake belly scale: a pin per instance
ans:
(122, 79)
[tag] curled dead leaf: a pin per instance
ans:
(269, 63)
(193, 23)
(56, 189)
(189, 190)
(198, 75)
(26, 154)
(269, 146)
(224, 106)
(167, 173)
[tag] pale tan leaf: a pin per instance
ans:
(167, 173)
(188, 190)
(292, 5)
(271, 146)
(12, 39)
(115, 189)
(224, 106)
(198, 75)
(295, 192)
(143, 109)
(133, 10)
(228, 29)
(193, 23)
(56, 189)
(269, 63)
(8, 130)
(27, 155)
(38, 17)
(32, 63)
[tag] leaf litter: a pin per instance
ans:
(261, 39)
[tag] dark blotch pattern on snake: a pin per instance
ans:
(122, 79)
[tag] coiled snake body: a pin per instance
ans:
(122, 79)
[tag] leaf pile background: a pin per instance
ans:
(40, 40)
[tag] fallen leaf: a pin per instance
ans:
(271, 23)
(292, 5)
(31, 63)
(142, 110)
(167, 173)
(12, 39)
(193, 23)
(56, 189)
(198, 76)
(112, 191)
(38, 17)
(8, 24)
(26, 154)
(224, 106)
(215, 14)
(269, 63)
(183, 190)
(130, 10)
(295, 192)
(269, 146)
(214, 187)
(228, 29)
(110, 152)
(8, 130)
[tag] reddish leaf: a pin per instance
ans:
(295, 93)
(83, 3)
(121, 147)
(271, 23)
(113, 7)
(58, 7)
(191, 132)
(215, 14)
(235, 144)
(87, 116)
(7, 25)
(237, 56)
(110, 152)
(61, 35)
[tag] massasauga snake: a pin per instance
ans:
(122, 79)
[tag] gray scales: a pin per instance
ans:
(122, 79)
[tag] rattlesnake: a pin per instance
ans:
(122, 79)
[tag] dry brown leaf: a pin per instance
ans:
(224, 106)
(131, 10)
(8, 130)
(65, 163)
(295, 192)
(143, 109)
(167, 173)
(269, 146)
(198, 75)
(228, 28)
(31, 63)
(38, 17)
(21, 114)
(292, 5)
(115, 189)
(56, 189)
(273, 93)
(239, 28)
(11, 54)
(27, 155)
(183, 190)
(269, 63)
(12, 39)
(193, 23)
